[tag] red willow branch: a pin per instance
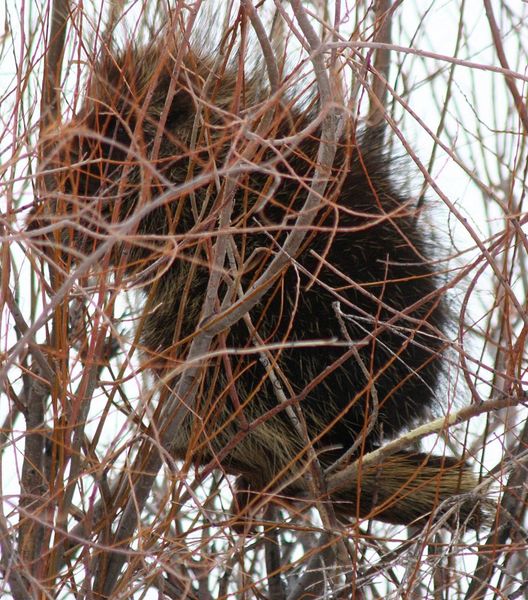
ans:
(34, 500)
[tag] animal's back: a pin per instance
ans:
(348, 338)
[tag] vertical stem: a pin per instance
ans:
(273, 557)
(378, 100)
(33, 484)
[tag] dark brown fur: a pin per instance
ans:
(367, 251)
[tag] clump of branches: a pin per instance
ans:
(94, 504)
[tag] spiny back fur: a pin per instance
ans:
(161, 133)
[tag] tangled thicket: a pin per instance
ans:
(136, 414)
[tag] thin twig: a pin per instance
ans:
(508, 514)
(519, 101)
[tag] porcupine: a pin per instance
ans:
(158, 133)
